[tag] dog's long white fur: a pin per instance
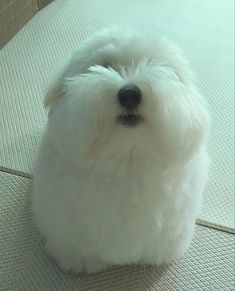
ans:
(105, 193)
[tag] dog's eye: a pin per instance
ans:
(107, 65)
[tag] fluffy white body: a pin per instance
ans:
(108, 190)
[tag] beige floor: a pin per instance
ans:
(204, 29)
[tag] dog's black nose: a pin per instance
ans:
(129, 96)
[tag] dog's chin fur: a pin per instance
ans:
(114, 186)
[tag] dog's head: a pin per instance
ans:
(122, 91)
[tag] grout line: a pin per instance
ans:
(215, 226)
(199, 221)
(16, 172)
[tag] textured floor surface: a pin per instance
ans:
(204, 30)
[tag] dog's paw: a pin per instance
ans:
(95, 265)
(67, 258)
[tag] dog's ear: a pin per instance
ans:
(55, 90)
(185, 127)
(195, 123)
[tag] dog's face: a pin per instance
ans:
(123, 91)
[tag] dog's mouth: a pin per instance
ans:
(130, 118)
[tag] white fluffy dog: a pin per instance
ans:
(123, 163)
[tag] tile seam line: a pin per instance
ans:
(215, 226)
(16, 172)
